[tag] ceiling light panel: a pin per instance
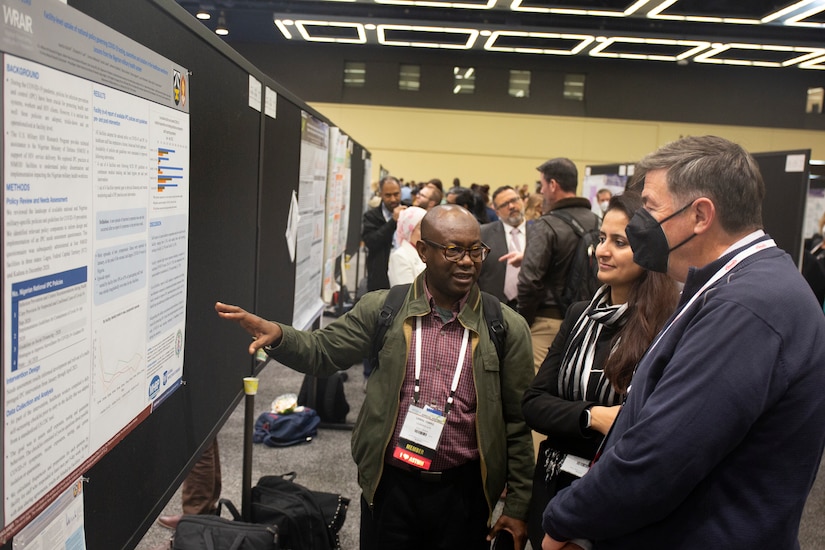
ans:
(816, 63)
(467, 4)
(537, 42)
(607, 8)
(497, 39)
(750, 12)
(782, 14)
(426, 37)
(331, 31)
(650, 49)
(809, 17)
(758, 55)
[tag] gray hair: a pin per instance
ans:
(713, 167)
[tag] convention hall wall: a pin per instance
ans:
(505, 148)
(629, 108)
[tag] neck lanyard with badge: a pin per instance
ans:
(724, 270)
(423, 426)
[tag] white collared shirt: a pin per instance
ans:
(509, 235)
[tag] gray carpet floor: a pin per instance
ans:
(325, 463)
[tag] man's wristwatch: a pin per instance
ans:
(588, 418)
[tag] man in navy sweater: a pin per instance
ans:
(722, 432)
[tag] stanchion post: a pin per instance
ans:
(250, 388)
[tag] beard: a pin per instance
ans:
(514, 220)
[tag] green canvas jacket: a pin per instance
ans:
(504, 440)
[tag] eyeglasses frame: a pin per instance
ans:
(464, 251)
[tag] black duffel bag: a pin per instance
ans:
(306, 519)
(205, 532)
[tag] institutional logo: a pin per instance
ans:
(179, 88)
(154, 387)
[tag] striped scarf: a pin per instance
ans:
(579, 377)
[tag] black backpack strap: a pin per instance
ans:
(578, 229)
(495, 322)
(236, 516)
(392, 303)
(571, 221)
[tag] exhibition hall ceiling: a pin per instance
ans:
(761, 33)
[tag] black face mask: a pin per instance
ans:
(648, 240)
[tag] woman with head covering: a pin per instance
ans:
(405, 264)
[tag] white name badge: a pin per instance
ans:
(575, 465)
(423, 427)
(419, 437)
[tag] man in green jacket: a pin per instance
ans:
(440, 434)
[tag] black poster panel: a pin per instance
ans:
(280, 173)
(356, 198)
(128, 488)
(786, 188)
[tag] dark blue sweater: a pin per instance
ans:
(723, 430)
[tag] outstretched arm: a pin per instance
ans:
(264, 333)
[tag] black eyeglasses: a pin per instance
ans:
(508, 203)
(453, 253)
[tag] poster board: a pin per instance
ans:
(309, 261)
(95, 228)
(243, 167)
(337, 208)
(786, 175)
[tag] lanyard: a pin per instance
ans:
(724, 270)
(458, 367)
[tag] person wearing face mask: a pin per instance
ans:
(720, 437)
(603, 199)
(580, 385)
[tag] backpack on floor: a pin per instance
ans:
(326, 396)
(282, 430)
(306, 519)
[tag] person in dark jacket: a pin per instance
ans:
(722, 432)
(577, 392)
(505, 237)
(378, 231)
(551, 244)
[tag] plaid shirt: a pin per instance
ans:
(440, 348)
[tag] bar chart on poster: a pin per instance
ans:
(95, 226)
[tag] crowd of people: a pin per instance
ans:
(476, 198)
(679, 407)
